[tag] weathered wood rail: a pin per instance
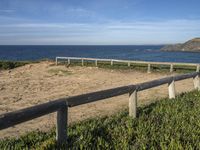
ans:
(129, 62)
(61, 105)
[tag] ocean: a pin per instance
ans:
(126, 52)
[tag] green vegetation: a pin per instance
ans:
(133, 66)
(165, 124)
(12, 64)
(4, 65)
(191, 45)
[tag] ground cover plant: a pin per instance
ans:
(165, 124)
(4, 65)
(9, 64)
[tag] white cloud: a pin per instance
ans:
(7, 10)
(77, 10)
(149, 32)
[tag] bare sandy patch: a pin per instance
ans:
(42, 82)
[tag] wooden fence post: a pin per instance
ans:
(171, 88)
(149, 68)
(171, 68)
(56, 61)
(95, 62)
(68, 61)
(111, 62)
(82, 62)
(61, 128)
(129, 64)
(196, 81)
(198, 68)
(133, 104)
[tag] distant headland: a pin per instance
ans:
(191, 45)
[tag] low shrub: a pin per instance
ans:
(11, 64)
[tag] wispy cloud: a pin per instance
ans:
(175, 25)
(7, 10)
(146, 32)
(77, 10)
(116, 25)
(33, 25)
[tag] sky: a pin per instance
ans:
(98, 22)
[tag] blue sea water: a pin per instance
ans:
(126, 52)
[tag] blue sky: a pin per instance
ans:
(84, 22)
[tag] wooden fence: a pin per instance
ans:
(61, 105)
(128, 62)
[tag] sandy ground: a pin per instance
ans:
(42, 82)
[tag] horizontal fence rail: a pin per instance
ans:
(128, 62)
(61, 105)
(16, 117)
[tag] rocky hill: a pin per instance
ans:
(191, 45)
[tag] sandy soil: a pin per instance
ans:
(42, 82)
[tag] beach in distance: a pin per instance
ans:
(126, 52)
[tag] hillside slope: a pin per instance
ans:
(166, 124)
(191, 45)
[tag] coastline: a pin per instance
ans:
(124, 52)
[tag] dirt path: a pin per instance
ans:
(38, 83)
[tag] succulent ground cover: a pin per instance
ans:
(165, 124)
